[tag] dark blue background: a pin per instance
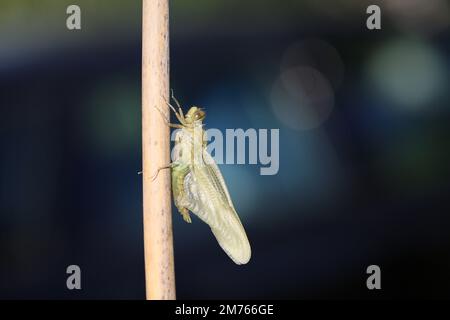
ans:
(367, 184)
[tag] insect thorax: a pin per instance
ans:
(189, 145)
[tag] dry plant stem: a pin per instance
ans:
(158, 242)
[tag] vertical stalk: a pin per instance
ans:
(158, 242)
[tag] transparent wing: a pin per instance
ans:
(206, 195)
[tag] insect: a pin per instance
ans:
(198, 185)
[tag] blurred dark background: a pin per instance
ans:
(364, 147)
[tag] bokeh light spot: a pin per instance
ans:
(408, 72)
(317, 54)
(302, 98)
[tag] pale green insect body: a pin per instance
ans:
(198, 186)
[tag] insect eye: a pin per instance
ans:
(199, 115)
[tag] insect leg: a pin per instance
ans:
(172, 125)
(161, 168)
(179, 116)
(177, 103)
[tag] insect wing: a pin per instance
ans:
(207, 193)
